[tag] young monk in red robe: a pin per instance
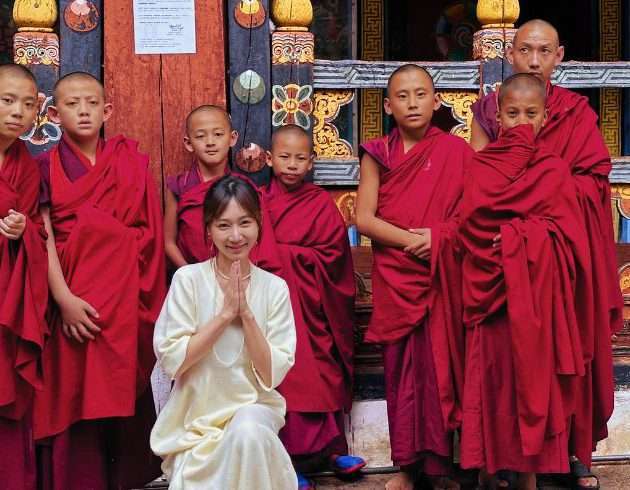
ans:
(209, 137)
(107, 279)
(311, 237)
(525, 254)
(23, 266)
(411, 183)
(571, 132)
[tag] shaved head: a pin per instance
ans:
(208, 108)
(16, 71)
(536, 50)
(409, 68)
(537, 25)
(76, 76)
(522, 82)
(522, 102)
(291, 130)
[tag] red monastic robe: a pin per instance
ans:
(523, 313)
(190, 191)
(23, 329)
(312, 240)
(417, 305)
(571, 132)
(108, 233)
(192, 240)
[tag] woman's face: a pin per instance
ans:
(234, 232)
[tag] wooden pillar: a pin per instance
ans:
(81, 33)
(153, 94)
(250, 84)
(497, 18)
(293, 48)
(36, 46)
(626, 93)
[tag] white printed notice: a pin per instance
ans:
(164, 26)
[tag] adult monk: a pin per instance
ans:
(23, 267)
(411, 183)
(209, 137)
(311, 236)
(523, 314)
(107, 279)
(571, 132)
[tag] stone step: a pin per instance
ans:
(611, 476)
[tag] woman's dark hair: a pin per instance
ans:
(223, 191)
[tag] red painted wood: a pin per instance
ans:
(152, 94)
(189, 81)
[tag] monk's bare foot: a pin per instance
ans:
(402, 481)
(588, 482)
(443, 483)
(582, 475)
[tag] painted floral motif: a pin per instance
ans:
(43, 131)
(292, 104)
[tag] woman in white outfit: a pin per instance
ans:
(226, 335)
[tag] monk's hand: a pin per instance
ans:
(496, 241)
(77, 318)
(231, 297)
(420, 245)
(13, 225)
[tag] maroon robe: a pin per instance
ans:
(523, 315)
(571, 132)
(417, 305)
(190, 191)
(312, 239)
(23, 329)
(108, 234)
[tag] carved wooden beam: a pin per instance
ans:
(354, 74)
(604, 74)
(462, 75)
(620, 171)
